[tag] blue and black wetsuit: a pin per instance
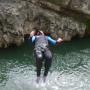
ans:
(42, 51)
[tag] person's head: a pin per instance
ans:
(40, 32)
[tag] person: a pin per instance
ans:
(42, 51)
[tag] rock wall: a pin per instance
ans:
(82, 6)
(12, 18)
(19, 17)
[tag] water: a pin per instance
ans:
(70, 68)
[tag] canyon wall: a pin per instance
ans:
(62, 18)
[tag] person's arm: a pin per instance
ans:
(59, 40)
(32, 36)
(54, 42)
(32, 33)
(33, 39)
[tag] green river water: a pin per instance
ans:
(70, 68)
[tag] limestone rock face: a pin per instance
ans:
(11, 21)
(81, 5)
(20, 17)
(58, 25)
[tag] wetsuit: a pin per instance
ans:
(42, 51)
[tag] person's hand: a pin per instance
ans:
(32, 33)
(59, 40)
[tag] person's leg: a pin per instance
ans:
(38, 56)
(48, 61)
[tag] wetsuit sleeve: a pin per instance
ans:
(52, 41)
(33, 39)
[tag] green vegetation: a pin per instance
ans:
(88, 24)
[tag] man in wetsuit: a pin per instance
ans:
(42, 51)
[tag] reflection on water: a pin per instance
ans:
(70, 68)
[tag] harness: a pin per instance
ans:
(41, 43)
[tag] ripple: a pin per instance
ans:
(69, 71)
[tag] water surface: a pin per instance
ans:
(70, 68)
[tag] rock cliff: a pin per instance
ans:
(64, 19)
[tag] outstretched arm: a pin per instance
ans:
(54, 42)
